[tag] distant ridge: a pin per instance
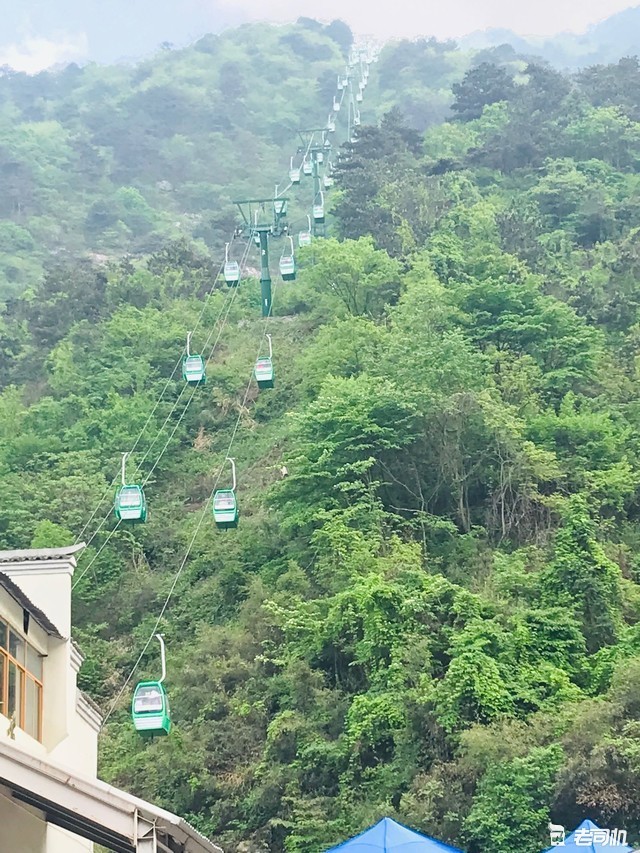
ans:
(607, 41)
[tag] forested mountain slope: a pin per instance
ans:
(114, 160)
(435, 614)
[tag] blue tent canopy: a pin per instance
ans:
(589, 838)
(387, 836)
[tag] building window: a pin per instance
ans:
(20, 681)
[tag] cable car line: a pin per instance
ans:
(193, 393)
(227, 304)
(204, 512)
(287, 262)
(109, 489)
(155, 464)
(147, 478)
(225, 310)
(148, 451)
(149, 708)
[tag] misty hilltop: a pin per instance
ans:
(37, 35)
(607, 41)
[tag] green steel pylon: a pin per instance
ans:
(265, 275)
(256, 213)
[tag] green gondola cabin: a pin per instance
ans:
(225, 509)
(130, 503)
(232, 273)
(150, 709)
(193, 370)
(287, 268)
(264, 373)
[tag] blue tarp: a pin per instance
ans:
(589, 838)
(387, 836)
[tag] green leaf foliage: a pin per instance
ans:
(430, 608)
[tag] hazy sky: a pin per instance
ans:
(36, 34)
(384, 18)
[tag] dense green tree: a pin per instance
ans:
(613, 85)
(340, 33)
(482, 85)
(352, 276)
(583, 578)
(510, 809)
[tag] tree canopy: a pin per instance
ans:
(431, 606)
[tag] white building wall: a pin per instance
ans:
(47, 583)
(21, 831)
(11, 612)
(70, 725)
(60, 841)
(79, 750)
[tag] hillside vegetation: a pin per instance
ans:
(436, 614)
(115, 160)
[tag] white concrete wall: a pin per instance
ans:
(47, 583)
(21, 831)
(80, 749)
(61, 841)
(11, 611)
(58, 682)
(68, 737)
